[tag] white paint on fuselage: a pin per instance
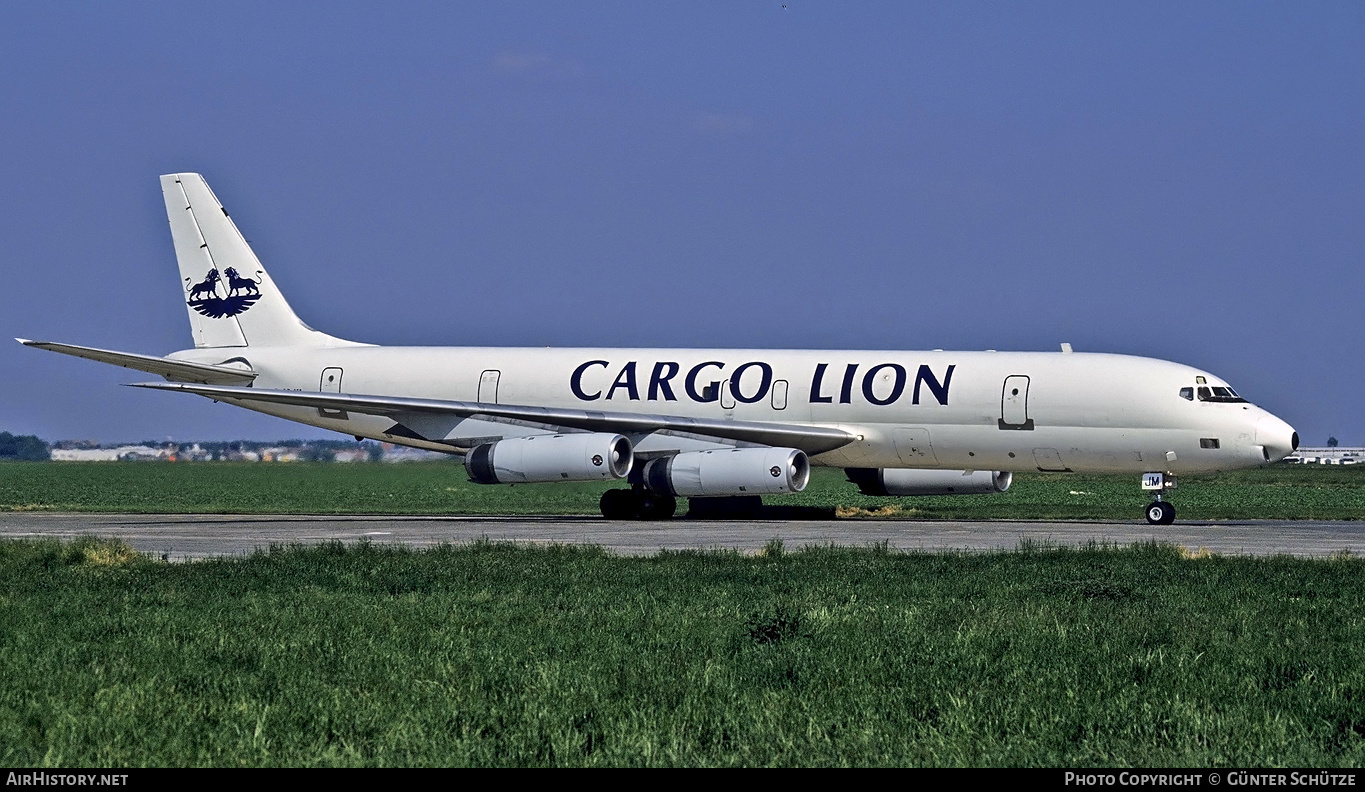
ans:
(1088, 412)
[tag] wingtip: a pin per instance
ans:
(26, 342)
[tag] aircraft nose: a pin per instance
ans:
(1277, 438)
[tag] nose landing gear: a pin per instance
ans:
(1159, 512)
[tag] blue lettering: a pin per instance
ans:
(691, 382)
(699, 390)
(658, 381)
(927, 377)
(815, 397)
(576, 381)
(626, 379)
(896, 389)
(846, 392)
(763, 385)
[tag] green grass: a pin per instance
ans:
(500, 655)
(1283, 492)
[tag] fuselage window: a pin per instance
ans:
(1187, 393)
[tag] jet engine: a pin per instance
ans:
(732, 471)
(561, 457)
(903, 481)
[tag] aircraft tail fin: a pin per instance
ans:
(232, 301)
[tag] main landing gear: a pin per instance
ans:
(637, 504)
(1159, 512)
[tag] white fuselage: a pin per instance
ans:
(1008, 411)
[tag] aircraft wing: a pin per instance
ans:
(811, 439)
(179, 370)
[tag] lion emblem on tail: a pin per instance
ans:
(242, 293)
(208, 285)
(236, 283)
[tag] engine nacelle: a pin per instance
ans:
(731, 471)
(561, 457)
(904, 481)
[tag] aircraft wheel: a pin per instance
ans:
(657, 507)
(1160, 513)
(728, 507)
(619, 504)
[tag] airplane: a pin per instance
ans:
(714, 426)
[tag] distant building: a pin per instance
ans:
(76, 444)
(243, 451)
(1332, 455)
(119, 454)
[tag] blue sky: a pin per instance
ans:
(1178, 180)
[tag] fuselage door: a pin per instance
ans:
(779, 395)
(330, 382)
(727, 395)
(488, 386)
(1014, 403)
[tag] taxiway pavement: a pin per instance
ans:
(178, 537)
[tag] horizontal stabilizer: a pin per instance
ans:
(175, 370)
(811, 439)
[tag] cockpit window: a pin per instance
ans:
(1219, 393)
(1187, 393)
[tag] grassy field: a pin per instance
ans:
(1284, 492)
(500, 655)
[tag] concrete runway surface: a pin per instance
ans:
(180, 537)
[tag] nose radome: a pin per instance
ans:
(1279, 438)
